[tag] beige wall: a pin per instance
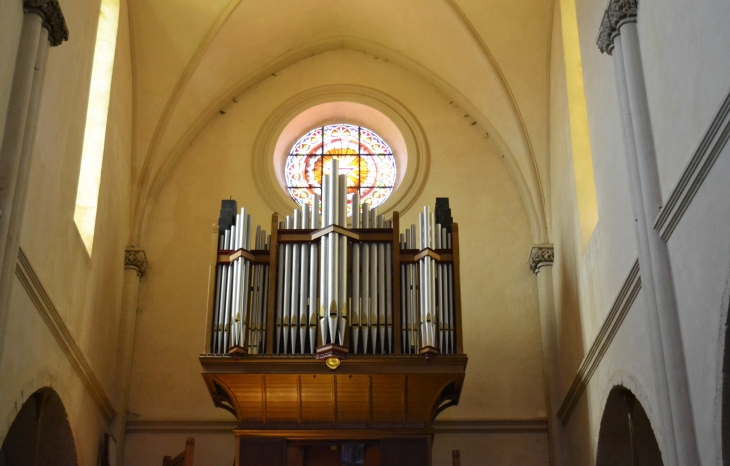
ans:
(85, 292)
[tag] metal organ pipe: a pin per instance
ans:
(303, 285)
(342, 283)
(355, 300)
(313, 272)
(365, 290)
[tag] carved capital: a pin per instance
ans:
(541, 255)
(617, 11)
(136, 259)
(53, 19)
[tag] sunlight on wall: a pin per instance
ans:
(579, 133)
(87, 194)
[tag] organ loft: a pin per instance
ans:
(335, 337)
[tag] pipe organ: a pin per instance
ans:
(379, 306)
(334, 285)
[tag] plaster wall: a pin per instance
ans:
(85, 291)
(586, 282)
(700, 255)
(684, 51)
(566, 237)
(686, 76)
(476, 449)
(11, 22)
(501, 321)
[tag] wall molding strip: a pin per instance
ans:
(33, 287)
(491, 426)
(694, 174)
(450, 426)
(621, 305)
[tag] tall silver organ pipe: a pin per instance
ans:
(364, 285)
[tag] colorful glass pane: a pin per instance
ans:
(364, 157)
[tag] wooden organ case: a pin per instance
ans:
(334, 344)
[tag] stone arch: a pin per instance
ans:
(40, 434)
(626, 436)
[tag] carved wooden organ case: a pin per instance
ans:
(325, 329)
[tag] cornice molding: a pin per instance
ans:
(616, 315)
(136, 259)
(447, 426)
(80, 363)
(616, 12)
(696, 171)
(540, 256)
(53, 19)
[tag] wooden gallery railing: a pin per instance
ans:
(314, 286)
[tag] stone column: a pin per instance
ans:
(135, 266)
(619, 36)
(43, 27)
(646, 269)
(541, 263)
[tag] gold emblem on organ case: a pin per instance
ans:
(332, 363)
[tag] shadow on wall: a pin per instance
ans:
(626, 435)
(40, 434)
(725, 399)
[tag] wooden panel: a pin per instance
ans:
(363, 393)
(422, 393)
(257, 452)
(353, 400)
(248, 391)
(281, 398)
(318, 401)
(295, 455)
(322, 455)
(372, 455)
(387, 396)
(405, 452)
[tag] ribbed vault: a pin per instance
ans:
(193, 58)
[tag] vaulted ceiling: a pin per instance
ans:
(489, 57)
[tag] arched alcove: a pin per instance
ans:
(626, 436)
(725, 394)
(40, 435)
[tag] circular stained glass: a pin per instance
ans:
(364, 157)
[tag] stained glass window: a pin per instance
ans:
(364, 157)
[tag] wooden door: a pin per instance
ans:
(322, 455)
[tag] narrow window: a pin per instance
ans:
(585, 185)
(87, 194)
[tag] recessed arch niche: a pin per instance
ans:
(341, 104)
(40, 434)
(626, 435)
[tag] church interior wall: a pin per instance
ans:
(682, 106)
(565, 226)
(700, 253)
(81, 295)
(216, 166)
(11, 20)
(683, 48)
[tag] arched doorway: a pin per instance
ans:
(40, 435)
(626, 437)
(725, 399)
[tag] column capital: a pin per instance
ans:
(53, 19)
(616, 12)
(136, 259)
(540, 256)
